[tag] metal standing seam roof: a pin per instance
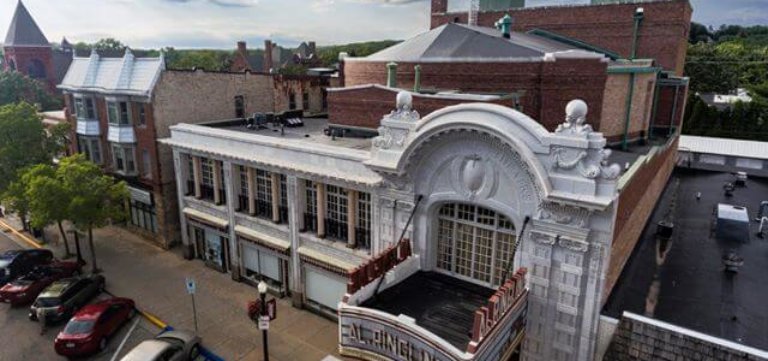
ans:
(127, 75)
(724, 146)
(457, 41)
(24, 30)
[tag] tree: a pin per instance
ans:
(23, 141)
(16, 201)
(109, 46)
(95, 199)
(47, 199)
(16, 87)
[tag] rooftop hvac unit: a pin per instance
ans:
(732, 224)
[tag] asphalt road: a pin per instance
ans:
(22, 340)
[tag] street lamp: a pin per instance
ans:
(262, 287)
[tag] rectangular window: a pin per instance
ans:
(142, 114)
(79, 108)
(143, 216)
(239, 106)
(310, 212)
(91, 147)
(336, 215)
(206, 179)
(118, 113)
(283, 208)
(124, 159)
(263, 194)
(305, 101)
(242, 197)
(291, 101)
(147, 164)
(363, 226)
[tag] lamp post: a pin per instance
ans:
(263, 295)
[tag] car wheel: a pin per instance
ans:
(103, 344)
(194, 352)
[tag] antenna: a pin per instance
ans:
(474, 8)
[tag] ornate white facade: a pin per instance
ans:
(555, 188)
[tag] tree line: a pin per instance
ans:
(721, 61)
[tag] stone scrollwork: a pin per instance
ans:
(573, 244)
(576, 116)
(394, 128)
(542, 238)
(565, 215)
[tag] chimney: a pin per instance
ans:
(417, 78)
(439, 6)
(241, 48)
(392, 74)
(267, 56)
(312, 48)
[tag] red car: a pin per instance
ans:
(87, 331)
(24, 289)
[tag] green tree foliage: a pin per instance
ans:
(109, 45)
(212, 60)
(16, 87)
(48, 198)
(23, 141)
(16, 201)
(329, 55)
(94, 198)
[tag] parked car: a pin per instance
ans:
(167, 346)
(63, 298)
(87, 331)
(24, 289)
(18, 262)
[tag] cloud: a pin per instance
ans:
(223, 3)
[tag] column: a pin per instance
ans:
(198, 173)
(351, 218)
(295, 211)
(181, 183)
(216, 182)
(251, 178)
(275, 197)
(231, 196)
(320, 209)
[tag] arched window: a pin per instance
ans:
(474, 243)
(36, 69)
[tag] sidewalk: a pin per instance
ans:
(154, 278)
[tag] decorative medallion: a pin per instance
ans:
(473, 174)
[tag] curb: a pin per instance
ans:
(23, 237)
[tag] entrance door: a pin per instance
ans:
(474, 243)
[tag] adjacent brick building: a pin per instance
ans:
(119, 107)
(27, 50)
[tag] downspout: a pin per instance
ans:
(674, 109)
(417, 79)
(628, 112)
(638, 17)
(654, 107)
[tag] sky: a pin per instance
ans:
(221, 23)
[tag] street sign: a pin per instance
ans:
(263, 323)
(191, 285)
(272, 309)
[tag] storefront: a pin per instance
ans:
(210, 239)
(325, 280)
(142, 210)
(264, 257)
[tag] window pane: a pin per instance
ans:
(130, 164)
(95, 147)
(90, 109)
(445, 244)
(112, 113)
(124, 113)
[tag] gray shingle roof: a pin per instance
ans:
(457, 41)
(23, 30)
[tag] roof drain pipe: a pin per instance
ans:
(417, 79)
(510, 263)
(401, 239)
(638, 17)
(392, 75)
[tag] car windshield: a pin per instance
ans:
(47, 302)
(75, 327)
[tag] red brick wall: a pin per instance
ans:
(23, 56)
(663, 33)
(635, 204)
(548, 86)
(365, 107)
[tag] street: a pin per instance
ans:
(154, 278)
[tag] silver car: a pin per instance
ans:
(167, 346)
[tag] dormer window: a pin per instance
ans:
(118, 113)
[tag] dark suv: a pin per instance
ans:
(18, 262)
(63, 298)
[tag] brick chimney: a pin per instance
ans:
(439, 6)
(267, 55)
(242, 48)
(312, 48)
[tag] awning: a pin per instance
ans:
(264, 239)
(206, 218)
(324, 259)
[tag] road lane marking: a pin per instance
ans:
(122, 343)
(20, 235)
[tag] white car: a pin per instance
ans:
(167, 346)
